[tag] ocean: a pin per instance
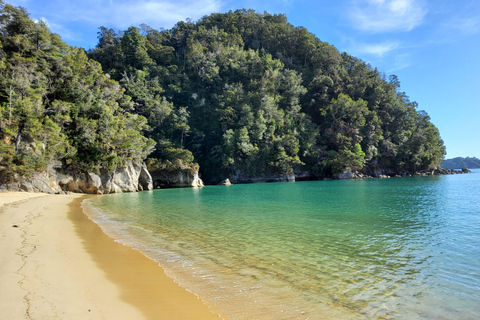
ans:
(399, 248)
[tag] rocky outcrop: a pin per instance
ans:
(386, 173)
(383, 173)
(131, 178)
(240, 178)
(145, 181)
(345, 175)
(178, 178)
(442, 171)
(225, 182)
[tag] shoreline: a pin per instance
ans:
(58, 264)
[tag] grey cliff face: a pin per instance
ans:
(131, 178)
(176, 179)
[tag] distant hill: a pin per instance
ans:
(459, 163)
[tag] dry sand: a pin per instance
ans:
(57, 264)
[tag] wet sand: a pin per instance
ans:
(55, 263)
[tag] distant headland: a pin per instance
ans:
(459, 162)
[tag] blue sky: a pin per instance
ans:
(431, 45)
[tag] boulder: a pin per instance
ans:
(225, 182)
(179, 178)
(378, 172)
(345, 175)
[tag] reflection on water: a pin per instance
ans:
(396, 248)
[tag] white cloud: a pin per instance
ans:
(379, 49)
(374, 50)
(386, 15)
(467, 26)
(388, 55)
(125, 13)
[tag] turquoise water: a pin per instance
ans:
(403, 248)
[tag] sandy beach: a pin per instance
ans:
(55, 263)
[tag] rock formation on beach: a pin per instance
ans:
(131, 178)
(179, 178)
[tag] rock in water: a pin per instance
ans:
(225, 182)
(178, 178)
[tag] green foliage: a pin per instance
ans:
(173, 154)
(56, 104)
(173, 159)
(251, 94)
(239, 93)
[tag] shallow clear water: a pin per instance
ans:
(404, 248)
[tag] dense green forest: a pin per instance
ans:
(460, 163)
(56, 104)
(239, 94)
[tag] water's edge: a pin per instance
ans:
(385, 243)
(88, 212)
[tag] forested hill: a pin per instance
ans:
(460, 163)
(241, 94)
(250, 94)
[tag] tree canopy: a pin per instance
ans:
(57, 104)
(239, 93)
(260, 96)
